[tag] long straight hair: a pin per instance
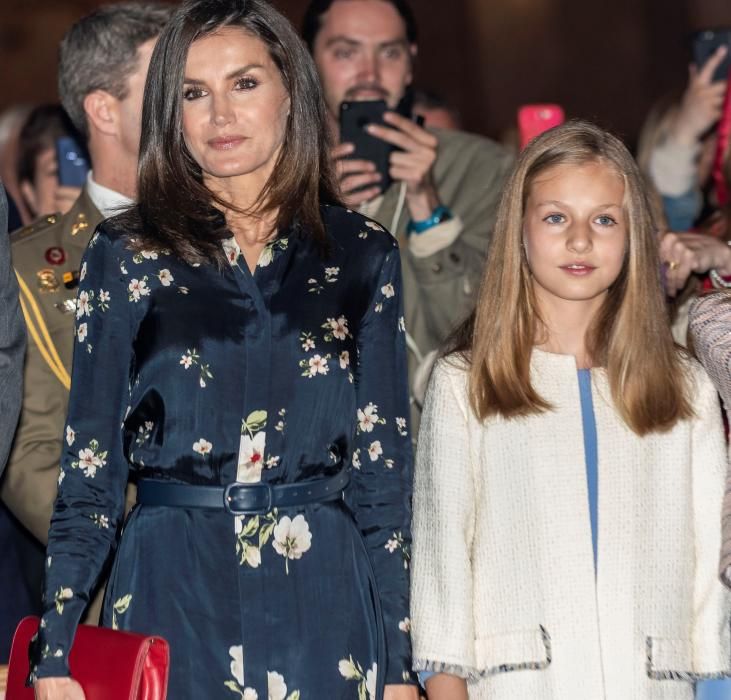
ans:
(176, 210)
(630, 334)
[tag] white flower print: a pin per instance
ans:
(82, 273)
(202, 447)
(237, 663)
(371, 680)
(402, 324)
(165, 277)
(337, 328)
(82, 332)
(251, 458)
(61, 477)
(405, 625)
(62, 595)
(401, 426)
(374, 226)
(331, 274)
(266, 257)
(101, 521)
(308, 341)
(70, 435)
(138, 289)
(90, 459)
(344, 359)
(292, 538)
(347, 669)
(351, 670)
(250, 694)
(276, 687)
(149, 254)
(368, 418)
(83, 307)
(392, 545)
(356, 459)
(103, 296)
(186, 361)
(318, 365)
(375, 450)
(387, 290)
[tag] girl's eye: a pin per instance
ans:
(605, 220)
(192, 93)
(246, 83)
(554, 219)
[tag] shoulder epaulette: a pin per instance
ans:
(39, 225)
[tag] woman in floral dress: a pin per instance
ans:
(238, 329)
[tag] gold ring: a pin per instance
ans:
(673, 265)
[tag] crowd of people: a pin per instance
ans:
(451, 429)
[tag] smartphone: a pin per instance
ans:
(705, 44)
(354, 117)
(533, 120)
(73, 164)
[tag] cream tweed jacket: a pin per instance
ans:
(504, 590)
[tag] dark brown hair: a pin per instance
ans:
(630, 335)
(176, 210)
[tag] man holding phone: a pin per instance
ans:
(103, 66)
(442, 198)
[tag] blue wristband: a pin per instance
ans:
(438, 216)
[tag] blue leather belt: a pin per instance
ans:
(242, 499)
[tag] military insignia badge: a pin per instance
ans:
(81, 224)
(55, 256)
(66, 307)
(71, 279)
(47, 280)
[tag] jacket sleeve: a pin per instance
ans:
(382, 460)
(710, 327)
(12, 341)
(444, 515)
(90, 502)
(448, 272)
(711, 600)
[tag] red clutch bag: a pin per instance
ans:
(109, 665)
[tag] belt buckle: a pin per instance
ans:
(228, 498)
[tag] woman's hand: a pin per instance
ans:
(58, 689)
(401, 692)
(686, 253)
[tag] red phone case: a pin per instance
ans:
(533, 120)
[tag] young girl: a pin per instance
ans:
(571, 460)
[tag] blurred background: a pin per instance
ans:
(605, 59)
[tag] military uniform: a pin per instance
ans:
(47, 257)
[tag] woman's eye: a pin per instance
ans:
(605, 221)
(554, 219)
(246, 83)
(192, 93)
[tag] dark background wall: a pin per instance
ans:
(604, 59)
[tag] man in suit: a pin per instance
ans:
(102, 70)
(441, 206)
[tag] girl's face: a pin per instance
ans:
(575, 233)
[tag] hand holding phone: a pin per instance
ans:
(706, 44)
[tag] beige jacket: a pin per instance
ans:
(503, 582)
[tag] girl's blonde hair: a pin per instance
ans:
(630, 335)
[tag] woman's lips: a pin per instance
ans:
(226, 143)
(578, 269)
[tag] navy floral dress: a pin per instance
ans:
(202, 376)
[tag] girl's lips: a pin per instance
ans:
(578, 270)
(226, 143)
